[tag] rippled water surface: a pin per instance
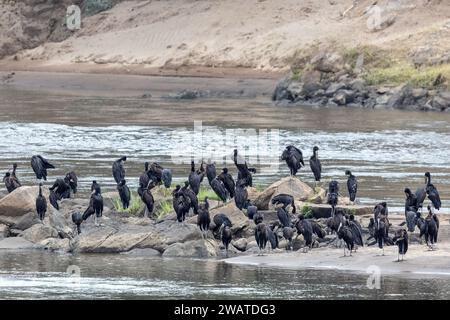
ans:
(42, 275)
(386, 150)
(85, 129)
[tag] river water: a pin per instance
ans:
(85, 127)
(43, 275)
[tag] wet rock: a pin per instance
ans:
(20, 202)
(241, 224)
(281, 92)
(26, 221)
(343, 97)
(16, 243)
(328, 62)
(4, 231)
(143, 253)
(289, 185)
(240, 244)
(55, 244)
(192, 249)
(39, 232)
(333, 88)
(324, 210)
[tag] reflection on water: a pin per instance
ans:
(42, 275)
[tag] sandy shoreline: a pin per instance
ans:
(419, 261)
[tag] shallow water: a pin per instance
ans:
(387, 150)
(43, 275)
(85, 130)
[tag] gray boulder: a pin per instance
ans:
(192, 249)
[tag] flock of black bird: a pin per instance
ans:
(288, 226)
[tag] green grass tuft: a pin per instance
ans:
(307, 211)
(207, 192)
(135, 208)
(163, 209)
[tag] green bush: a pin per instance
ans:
(136, 205)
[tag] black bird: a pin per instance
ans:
(210, 172)
(155, 172)
(251, 211)
(144, 178)
(191, 195)
(40, 166)
(284, 199)
(293, 158)
(356, 230)
(94, 185)
(304, 228)
(118, 170)
(72, 179)
(432, 228)
(284, 217)
(272, 237)
(97, 204)
(61, 188)
(401, 240)
(240, 195)
(149, 202)
(381, 231)
(195, 179)
(53, 199)
(333, 195)
(352, 185)
(227, 180)
(219, 189)
(381, 209)
(411, 220)
(203, 218)
(432, 192)
(11, 181)
(166, 177)
(77, 218)
(421, 194)
(41, 204)
(346, 234)
(124, 193)
(221, 219)
(317, 229)
(181, 204)
(225, 235)
(288, 234)
(316, 166)
(244, 172)
(410, 201)
(258, 217)
(261, 236)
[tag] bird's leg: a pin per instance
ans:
(95, 220)
(146, 212)
(383, 251)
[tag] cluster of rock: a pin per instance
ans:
(332, 83)
(20, 227)
(355, 93)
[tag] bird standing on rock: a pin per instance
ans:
(118, 170)
(261, 237)
(210, 172)
(244, 172)
(346, 234)
(225, 236)
(432, 192)
(240, 195)
(294, 159)
(195, 179)
(228, 181)
(284, 199)
(77, 218)
(191, 195)
(124, 193)
(41, 204)
(352, 185)
(315, 165)
(410, 201)
(203, 218)
(11, 181)
(333, 195)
